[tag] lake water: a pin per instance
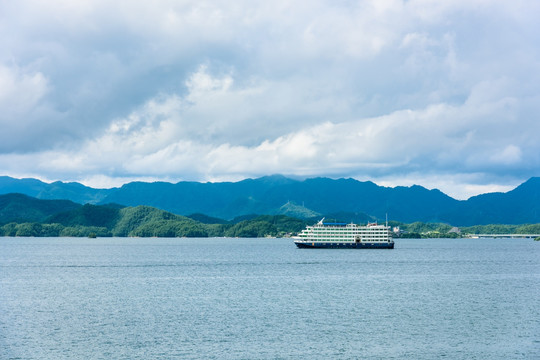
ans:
(122, 298)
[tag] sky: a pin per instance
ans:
(443, 94)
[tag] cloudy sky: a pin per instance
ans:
(444, 94)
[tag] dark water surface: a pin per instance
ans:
(118, 298)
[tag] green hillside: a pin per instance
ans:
(21, 208)
(145, 221)
(266, 225)
(87, 215)
(25, 216)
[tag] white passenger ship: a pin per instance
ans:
(345, 236)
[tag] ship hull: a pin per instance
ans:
(330, 245)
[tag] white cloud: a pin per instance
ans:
(510, 155)
(20, 92)
(201, 84)
(153, 143)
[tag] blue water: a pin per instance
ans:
(66, 298)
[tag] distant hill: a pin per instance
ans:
(355, 217)
(307, 199)
(519, 206)
(276, 195)
(57, 190)
(23, 208)
(87, 215)
(205, 219)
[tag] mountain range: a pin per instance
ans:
(348, 199)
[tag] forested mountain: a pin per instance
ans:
(307, 199)
(65, 218)
(25, 216)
